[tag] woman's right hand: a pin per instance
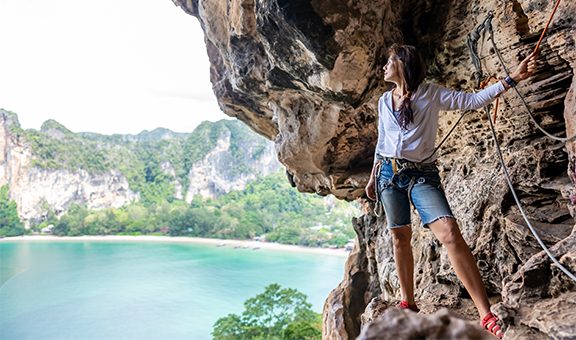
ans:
(370, 190)
(526, 67)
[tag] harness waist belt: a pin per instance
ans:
(399, 164)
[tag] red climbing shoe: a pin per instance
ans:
(405, 305)
(490, 323)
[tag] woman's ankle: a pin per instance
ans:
(404, 304)
(482, 312)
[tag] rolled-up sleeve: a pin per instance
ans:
(449, 99)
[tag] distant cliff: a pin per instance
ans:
(235, 155)
(49, 170)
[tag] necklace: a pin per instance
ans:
(396, 101)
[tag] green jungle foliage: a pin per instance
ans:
(141, 157)
(277, 313)
(10, 224)
(266, 207)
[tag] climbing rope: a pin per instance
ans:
(472, 42)
(445, 137)
(487, 23)
(509, 180)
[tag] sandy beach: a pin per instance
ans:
(198, 240)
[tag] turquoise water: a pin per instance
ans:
(143, 290)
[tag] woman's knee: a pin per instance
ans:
(447, 231)
(401, 237)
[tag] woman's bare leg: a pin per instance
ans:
(401, 238)
(462, 260)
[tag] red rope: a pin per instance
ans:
(485, 82)
(547, 24)
(495, 110)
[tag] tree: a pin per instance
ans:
(10, 224)
(278, 313)
(73, 223)
(303, 330)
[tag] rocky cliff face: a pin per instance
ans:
(219, 172)
(37, 190)
(231, 156)
(307, 74)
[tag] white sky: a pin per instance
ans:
(106, 66)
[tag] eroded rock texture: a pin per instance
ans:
(307, 74)
(393, 323)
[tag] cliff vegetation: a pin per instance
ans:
(222, 180)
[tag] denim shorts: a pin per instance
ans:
(420, 186)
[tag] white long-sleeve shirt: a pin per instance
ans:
(416, 142)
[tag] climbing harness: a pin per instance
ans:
(398, 166)
(487, 23)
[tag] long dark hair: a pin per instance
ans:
(414, 72)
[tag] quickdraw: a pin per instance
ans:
(472, 42)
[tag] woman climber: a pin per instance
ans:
(405, 171)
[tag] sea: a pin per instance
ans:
(143, 290)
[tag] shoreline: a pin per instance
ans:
(242, 244)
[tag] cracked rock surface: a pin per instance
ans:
(307, 75)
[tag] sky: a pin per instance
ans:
(106, 66)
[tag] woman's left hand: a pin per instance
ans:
(526, 68)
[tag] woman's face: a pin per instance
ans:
(392, 69)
